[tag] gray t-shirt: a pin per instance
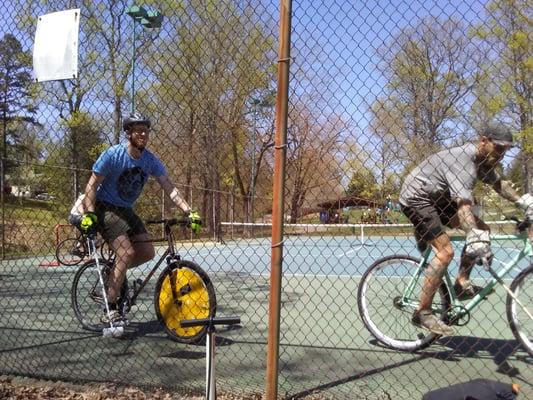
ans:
(445, 176)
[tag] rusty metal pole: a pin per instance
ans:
(280, 145)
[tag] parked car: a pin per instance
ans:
(45, 197)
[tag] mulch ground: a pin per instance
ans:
(16, 388)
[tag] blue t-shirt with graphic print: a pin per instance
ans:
(124, 175)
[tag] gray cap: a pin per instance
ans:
(499, 134)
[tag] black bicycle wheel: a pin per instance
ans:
(520, 322)
(386, 313)
(87, 295)
(71, 251)
(184, 291)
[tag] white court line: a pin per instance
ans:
(345, 253)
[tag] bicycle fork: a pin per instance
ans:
(487, 266)
(112, 331)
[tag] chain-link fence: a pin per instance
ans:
(375, 88)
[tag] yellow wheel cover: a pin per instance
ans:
(188, 299)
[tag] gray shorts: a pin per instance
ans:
(116, 221)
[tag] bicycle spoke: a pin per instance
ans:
(70, 251)
(386, 304)
(519, 308)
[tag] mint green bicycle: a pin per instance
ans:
(389, 290)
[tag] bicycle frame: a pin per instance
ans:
(169, 255)
(458, 309)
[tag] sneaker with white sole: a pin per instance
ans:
(468, 291)
(113, 317)
(426, 320)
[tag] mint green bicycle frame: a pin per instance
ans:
(458, 309)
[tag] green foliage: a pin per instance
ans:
(363, 184)
(431, 68)
(17, 110)
(66, 170)
(215, 61)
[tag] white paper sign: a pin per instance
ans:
(55, 51)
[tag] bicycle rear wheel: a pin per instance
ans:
(184, 291)
(387, 312)
(520, 322)
(71, 251)
(87, 295)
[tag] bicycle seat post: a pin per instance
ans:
(210, 392)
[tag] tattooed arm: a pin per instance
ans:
(506, 190)
(465, 212)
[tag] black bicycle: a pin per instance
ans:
(73, 250)
(183, 291)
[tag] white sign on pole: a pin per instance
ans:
(55, 51)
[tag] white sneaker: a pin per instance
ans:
(114, 317)
(425, 319)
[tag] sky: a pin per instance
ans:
(348, 35)
(344, 39)
(336, 42)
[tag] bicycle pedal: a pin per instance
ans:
(136, 283)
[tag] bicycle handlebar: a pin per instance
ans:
(169, 222)
(521, 225)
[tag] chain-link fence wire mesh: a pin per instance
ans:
(375, 88)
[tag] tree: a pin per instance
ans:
(507, 90)
(208, 70)
(29, 148)
(313, 170)
(362, 183)
(395, 151)
(104, 66)
(111, 29)
(431, 68)
(84, 144)
(16, 96)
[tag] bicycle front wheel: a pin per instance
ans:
(71, 251)
(87, 295)
(517, 314)
(184, 291)
(386, 306)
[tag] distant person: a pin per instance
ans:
(364, 217)
(438, 193)
(117, 180)
(388, 204)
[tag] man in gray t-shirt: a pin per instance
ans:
(439, 193)
(448, 175)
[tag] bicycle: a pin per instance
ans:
(389, 290)
(183, 291)
(73, 250)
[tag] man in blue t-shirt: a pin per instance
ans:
(116, 182)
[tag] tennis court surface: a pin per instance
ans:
(324, 348)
